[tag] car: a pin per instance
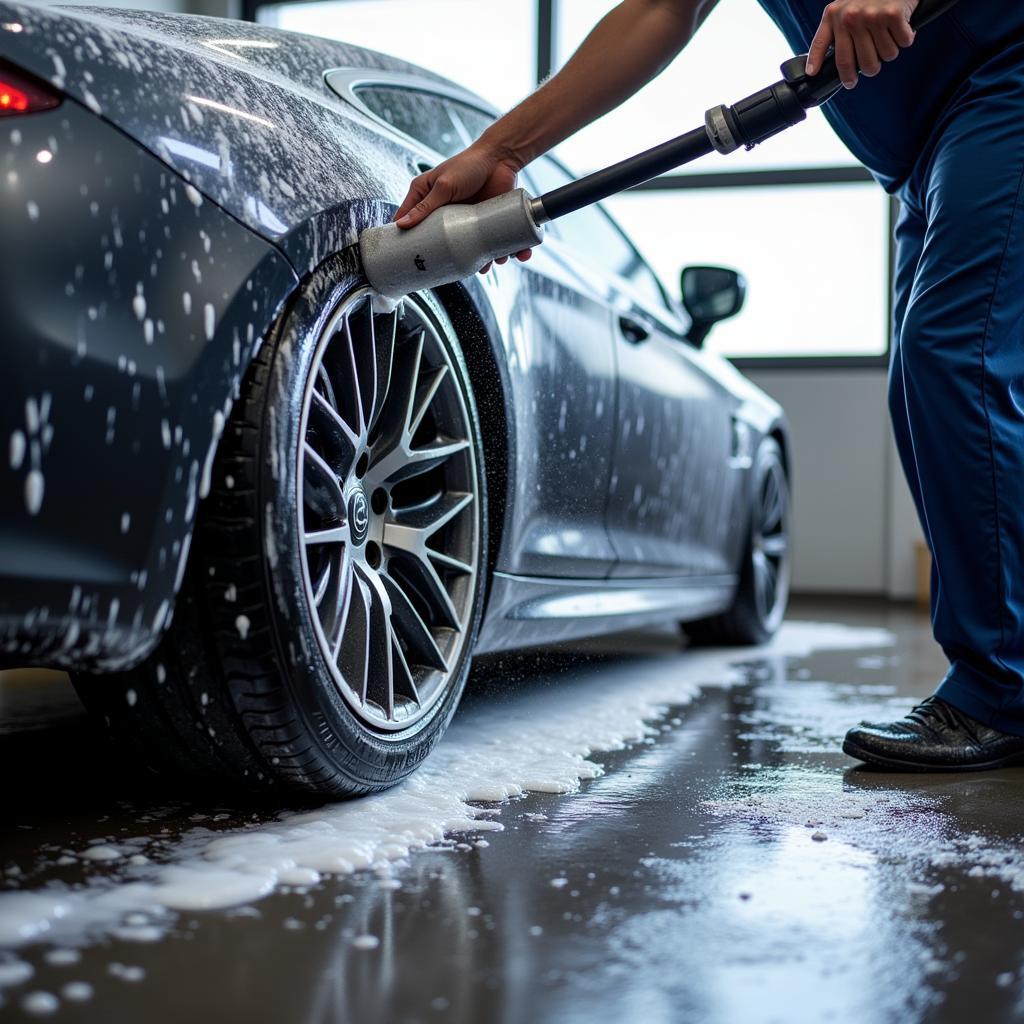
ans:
(265, 518)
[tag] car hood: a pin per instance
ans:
(239, 110)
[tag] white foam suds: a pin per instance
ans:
(77, 991)
(383, 304)
(540, 741)
(35, 485)
(60, 957)
(15, 972)
(40, 1004)
(104, 852)
(126, 972)
(17, 449)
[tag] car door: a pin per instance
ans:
(674, 479)
(557, 330)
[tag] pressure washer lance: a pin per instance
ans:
(457, 240)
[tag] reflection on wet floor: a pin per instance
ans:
(733, 867)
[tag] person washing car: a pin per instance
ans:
(941, 129)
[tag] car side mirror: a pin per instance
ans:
(710, 295)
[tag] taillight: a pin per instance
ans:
(20, 94)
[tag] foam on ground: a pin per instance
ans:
(538, 740)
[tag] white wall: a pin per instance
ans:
(854, 524)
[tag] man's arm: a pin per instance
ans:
(632, 44)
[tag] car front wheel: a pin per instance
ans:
(323, 633)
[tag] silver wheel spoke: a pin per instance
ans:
(434, 592)
(408, 534)
(405, 684)
(387, 467)
(426, 520)
(423, 403)
(322, 584)
(394, 419)
(342, 604)
(774, 546)
(384, 332)
(380, 684)
(401, 463)
(448, 562)
(413, 629)
(342, 438)
(334, 535)
(354, 647)
(322, 489)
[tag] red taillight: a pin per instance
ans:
(22, 95)
(12, 99)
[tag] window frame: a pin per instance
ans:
(546, 56)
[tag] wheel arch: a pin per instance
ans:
(478, 332)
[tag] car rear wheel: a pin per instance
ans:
(763, 592)
(323, 634)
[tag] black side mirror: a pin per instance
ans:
(710, 295)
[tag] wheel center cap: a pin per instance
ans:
(358, 515)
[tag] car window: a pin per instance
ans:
(422, 116)
(472, 121)
(595, 237)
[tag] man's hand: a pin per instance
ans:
(471, 176)
(864, 33)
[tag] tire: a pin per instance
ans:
(761, 597)
(319, 642)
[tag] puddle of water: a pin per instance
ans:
(543, 741)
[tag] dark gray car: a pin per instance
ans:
(266, 520)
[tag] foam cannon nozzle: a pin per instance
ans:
(452, 243)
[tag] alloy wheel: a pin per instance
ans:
(388, 505)
(771, 544)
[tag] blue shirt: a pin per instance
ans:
(888, 121)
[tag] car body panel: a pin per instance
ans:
(129, 351)
(241, 112)
(227, 135)
(672, 503)
(528, 611)
(565, 421)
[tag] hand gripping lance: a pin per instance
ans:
(457, 240)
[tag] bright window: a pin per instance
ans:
(737, 51)
(814, 258)
(448, 37)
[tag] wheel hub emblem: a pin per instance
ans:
(358, 516)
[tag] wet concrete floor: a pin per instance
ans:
(737, 868)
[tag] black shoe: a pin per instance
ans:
(934, 737)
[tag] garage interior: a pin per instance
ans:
(706, 855)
